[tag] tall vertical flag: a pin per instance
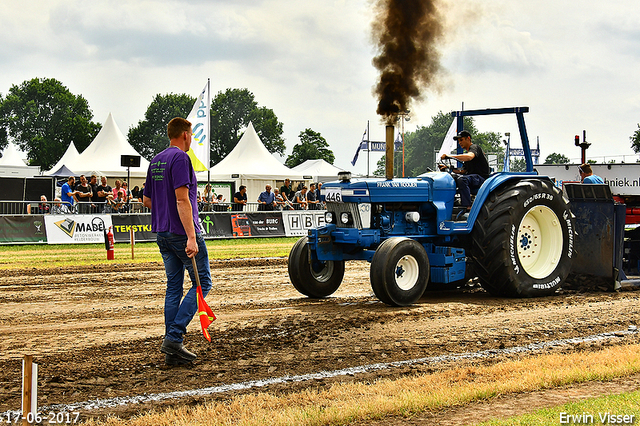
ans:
(362, 145)
(200, 140)
(448, 144)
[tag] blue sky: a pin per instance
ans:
(573, 63)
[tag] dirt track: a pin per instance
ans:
(96, 333)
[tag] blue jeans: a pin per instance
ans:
(179, 312)
(465, 184)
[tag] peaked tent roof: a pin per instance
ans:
(104, 154)
(251, 160)
(61, 171)
(319, 169)
(12, 164)
(69, 155)
(11, 156)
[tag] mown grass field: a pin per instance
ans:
(612, 409)
(46, 256)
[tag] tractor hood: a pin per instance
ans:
(429, 187)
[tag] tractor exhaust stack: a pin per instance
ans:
(389, 151)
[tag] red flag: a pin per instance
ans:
(205, 313)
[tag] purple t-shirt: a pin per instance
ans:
(168, 171)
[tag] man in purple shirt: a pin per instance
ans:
(170, 193)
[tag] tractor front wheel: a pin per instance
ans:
(314, 279)
(399, 271)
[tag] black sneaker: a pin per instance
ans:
(176, 349)
(175, 360)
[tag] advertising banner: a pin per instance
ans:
(215, 225)
(297, 223)
(266, 224)
(90, 229)
(622, 178)
(76, 229)
(141, 225)
(22, 229)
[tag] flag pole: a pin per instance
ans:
(209, 130)
(368, 150)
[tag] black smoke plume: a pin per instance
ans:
(406, 33)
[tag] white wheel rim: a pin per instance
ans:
(324, 274)
(406, 272)
(540, 242)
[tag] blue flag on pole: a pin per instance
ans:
(362, 145)
(397, 144)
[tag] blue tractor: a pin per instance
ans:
(517, 238)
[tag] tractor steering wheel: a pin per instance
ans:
(446, 164)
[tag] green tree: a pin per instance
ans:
(149, 137)
(518, 165)
(635, 140)
(555, 158)
(43, 117)
(231, 112)
(422, 145)
(312, 146)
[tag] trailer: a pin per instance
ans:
(623, 186)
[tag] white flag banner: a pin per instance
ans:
(200, 140)
(448, 144)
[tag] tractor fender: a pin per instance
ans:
(491, 184)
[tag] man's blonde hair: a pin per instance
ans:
(177, 126)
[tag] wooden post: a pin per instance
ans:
(27, 365)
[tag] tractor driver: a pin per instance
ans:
(474, 170)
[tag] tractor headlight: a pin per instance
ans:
(344, 176)
(328, 217)
(345, 218)
(412, 217)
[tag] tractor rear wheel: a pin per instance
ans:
(314, 279)
(522, 241)
(399, 271)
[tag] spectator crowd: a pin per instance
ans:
(271, 199)
(88, 196)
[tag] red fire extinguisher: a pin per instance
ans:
(109, 243)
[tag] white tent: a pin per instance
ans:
(252, 165)
(320, 170)
(69, 155)
(11, 156)
(103, 155)
(12, 164)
